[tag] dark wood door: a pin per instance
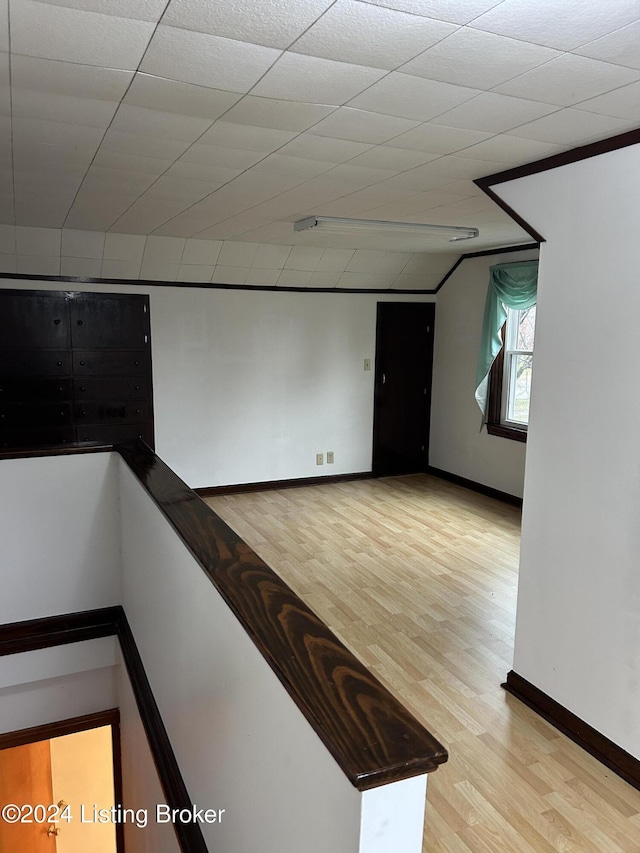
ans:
(404, 361)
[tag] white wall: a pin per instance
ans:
(457, 444)
(578, 620)
(241, 742)
(68, 681)
(250, 385)
(59, 535)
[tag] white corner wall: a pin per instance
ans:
(457, 443)
(59, 535)
(578, 618)
(249, 385)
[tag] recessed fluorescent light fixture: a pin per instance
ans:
(342, 225)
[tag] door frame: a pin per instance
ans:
(60, 728)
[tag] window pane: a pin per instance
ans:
(520, 388)
(526, 328)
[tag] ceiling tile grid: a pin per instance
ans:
(218, 125)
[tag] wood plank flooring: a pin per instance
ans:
(418, 577)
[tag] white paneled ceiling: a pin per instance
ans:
(227, 120)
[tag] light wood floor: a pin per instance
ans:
(418, 577)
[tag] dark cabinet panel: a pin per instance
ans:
(34, 319)
(35, 363)
(113, 433)
(108, 320)
(123, 412)
(36, 415)
(112, 388)
(35, 388)
(16, 438)
(110, 362)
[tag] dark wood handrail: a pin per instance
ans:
(371, 735)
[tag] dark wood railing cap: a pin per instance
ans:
(371, 735)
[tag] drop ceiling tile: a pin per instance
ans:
(8, 263)
(326, 280)
(276, 114)
(295, 167)
(143, 145)
(152, 270)
(5, 101)
(228, 134)
(196, 272)
(334, 260)
(478, 59)
(82, 244)
(323, 148)
(201, 172)
(72, 35)
(56, 132)
(68, 78)
(28, 103)
(564, 25)
(619, 47)
(120, 269)
(568, 80)
(296, 77)
(108, 159)
(98, 180)
(8, 239)
(571, 127)
(142, 10)
(277, 26)
(163, 250)
(378, 263)
(130, 119)
(370, 35)
(37, 241)
(362, 126)
(460, 12)
(97, 213)
(355, 280)
(237, 254)
(494, 113)
(270, 257)
(352, 178)
(225, 158)
(294, 278)
(170, 96)
(436, 139)
(202, 252)
(4, 25)
(411, 97)
(394, 159)
(303, 258)
(429, 263)
(230, 275)
(124, 247)
(170, 188)
(263, 277)
(148, 214)
(622, 103)
(207, 60)
(501, 148)
(81, 267)
(38, 265)
(416, 282)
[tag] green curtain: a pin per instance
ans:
(510, 285)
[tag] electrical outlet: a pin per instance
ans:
(319, 459)
(367, 364)
(329, 457)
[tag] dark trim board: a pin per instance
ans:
(370, 734)
(269, 485)
(592, 741)
(505, 497)
(525, 247)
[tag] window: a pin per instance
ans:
(510, 379)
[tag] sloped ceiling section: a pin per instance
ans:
(227, 120)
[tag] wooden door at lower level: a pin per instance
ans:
(25, 779)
